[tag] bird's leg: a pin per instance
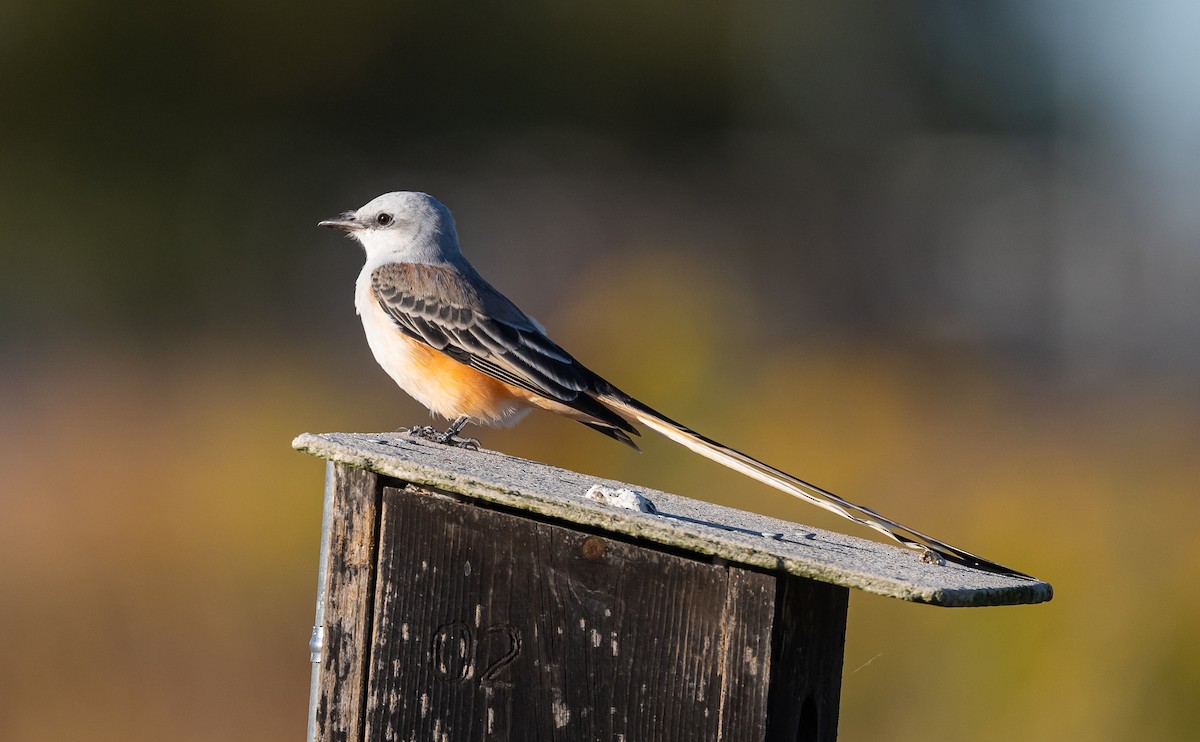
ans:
(457, 426)
(450, 437)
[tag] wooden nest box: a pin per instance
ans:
(468, 595)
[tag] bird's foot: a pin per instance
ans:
(424, 432)
(448, 438)
(471, 444)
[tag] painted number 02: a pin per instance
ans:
(457, 650)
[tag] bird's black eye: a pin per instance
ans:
(383, 219)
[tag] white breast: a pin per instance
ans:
(390, 348)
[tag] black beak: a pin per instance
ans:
(347, 221)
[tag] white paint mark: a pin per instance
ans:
(582, 624)
(424, 705)
(608, 613)
(478, 615)
(596, 638)
(562, 714)
(404, 632)
(467, 569)
(614, 648)
(491, 720)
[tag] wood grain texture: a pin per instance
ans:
(492, 626)
(348, 605)
(806, 674)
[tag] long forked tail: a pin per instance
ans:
(931, 548)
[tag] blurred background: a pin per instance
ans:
(941, 258)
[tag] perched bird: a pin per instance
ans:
(462, 349)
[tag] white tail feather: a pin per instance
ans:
(635, 412)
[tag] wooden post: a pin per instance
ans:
(474, 596)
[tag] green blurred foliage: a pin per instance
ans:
(900, 251)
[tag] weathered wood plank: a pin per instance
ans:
(680, 522)
(492, 626)
(349, 600)
(747, 627)
(806, 674)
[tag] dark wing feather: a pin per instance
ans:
(474, 324)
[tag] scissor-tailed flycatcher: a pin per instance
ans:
(466, 352)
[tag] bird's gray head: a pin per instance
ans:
(404, 226)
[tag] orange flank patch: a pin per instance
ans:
(452, 389)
